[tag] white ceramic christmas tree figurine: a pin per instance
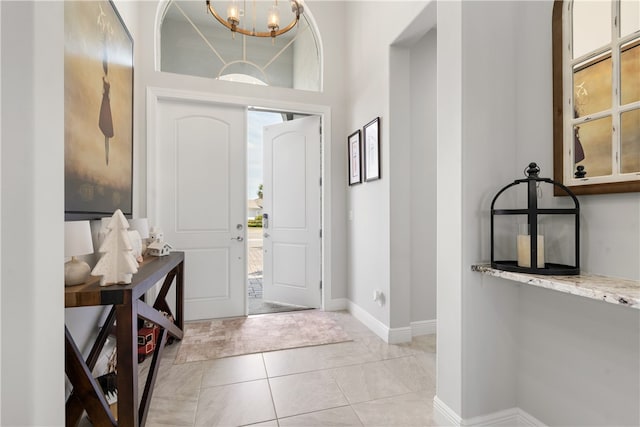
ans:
(117, 263)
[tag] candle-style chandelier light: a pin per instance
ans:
(235, 11)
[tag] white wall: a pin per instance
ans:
(370, 235)
(563, 359)
(399, 177)
(423, 178)
(449, 205)
(475, 140)
(412, 174)
(0, 217)
(577, 359)
(32, 213)
(306, 64)
(489, 94)
(609, 247)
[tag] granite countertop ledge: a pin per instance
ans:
(613, 290)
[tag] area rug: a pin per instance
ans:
(213, 339)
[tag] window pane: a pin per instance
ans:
(630, 141)
(592, 86)
(629, 17)
(630, 73)
(591, 26)
(593, 147)
(183, 51)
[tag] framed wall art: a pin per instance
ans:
(372, 150)
(98, 116)
(354, 158)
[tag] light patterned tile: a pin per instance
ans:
(308, 392)
(271, 423)
(336, 417)
(286, 362)
(424, 343)
(352, 326)
(369, 381)
(407, 410)
(169, 411)
(235, 404)
(235, 369)
(179, 381)
(413, 374)
(388, 351)
(168, 355)
(311, 386)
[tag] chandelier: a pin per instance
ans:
(273, 18)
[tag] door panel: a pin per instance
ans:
(199, 210)
(289, 182)
(200, 200)
(283, 274)
(292, 243)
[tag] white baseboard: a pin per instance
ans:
(443, 415)
(389, 335)
(336, 304)
(528, 420)
(399, 335)
(506, 418)
(424, 327)
(376, 326)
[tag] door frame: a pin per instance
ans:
(156, 94)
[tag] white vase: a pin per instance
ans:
(75, 272)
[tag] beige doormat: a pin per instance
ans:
(213, 339)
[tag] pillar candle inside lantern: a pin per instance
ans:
(524, 251)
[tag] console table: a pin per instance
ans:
(128, 305)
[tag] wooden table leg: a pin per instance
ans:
(127, 348)
(85, 386)
(145, 402)
(180, 296)
(73, 406)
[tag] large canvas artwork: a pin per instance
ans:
(98, 118)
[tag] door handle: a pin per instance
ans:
(266, 234)
(238, 238)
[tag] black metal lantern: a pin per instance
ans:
(530, 241)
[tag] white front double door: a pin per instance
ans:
(292, 236)
(200, 203)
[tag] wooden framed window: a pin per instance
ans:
(596, 76)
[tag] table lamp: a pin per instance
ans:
(141, 225)
(77, 241)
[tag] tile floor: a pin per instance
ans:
(364, 382)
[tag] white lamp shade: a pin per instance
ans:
(141, 225)
(104, 222)
(77, 238)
